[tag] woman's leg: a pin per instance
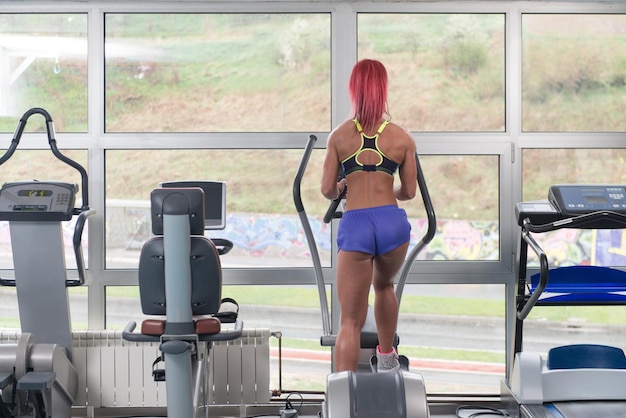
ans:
(386, 266)
(354, 276)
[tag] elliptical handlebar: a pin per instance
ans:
(332, 209)
(83, 213)
(430, 232)
(331, 212)
(78, 249)
(297, 195)
(19, 130)
(317, 264)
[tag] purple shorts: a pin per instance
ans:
(374, 231)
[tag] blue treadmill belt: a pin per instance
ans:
(583, 284)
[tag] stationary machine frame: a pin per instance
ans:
(580, 380)
(180, 277)
(37, 377)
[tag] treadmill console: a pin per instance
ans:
(37, 201)
(572, 199)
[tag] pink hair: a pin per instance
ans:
(368, 93)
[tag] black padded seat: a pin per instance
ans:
(206, 277)
(206, 286)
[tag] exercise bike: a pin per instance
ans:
(180, 277)
(371, 394)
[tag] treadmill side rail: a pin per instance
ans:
(532, 383)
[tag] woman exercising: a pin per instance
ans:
(374, 233)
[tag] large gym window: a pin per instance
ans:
(464, 192)
(446, 71)
(43, 63)
(261, 219)
(217, 72)
(455, 336)
(573, 72)
(543, 168)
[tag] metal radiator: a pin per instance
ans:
(113, 372)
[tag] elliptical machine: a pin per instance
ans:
(397, 395)
(37, 377)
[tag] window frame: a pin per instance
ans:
(508, 145)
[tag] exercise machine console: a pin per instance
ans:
(579, 380)
(37, 376)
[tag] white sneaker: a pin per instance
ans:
(387, 363)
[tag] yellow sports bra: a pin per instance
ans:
(352, 163)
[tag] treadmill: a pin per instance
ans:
(578, 380)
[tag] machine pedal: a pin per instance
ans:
(158, 374)
(404, 363)
(5, 379)
(36, 381)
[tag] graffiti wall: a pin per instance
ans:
(280, 240)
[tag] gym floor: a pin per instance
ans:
(471, 408)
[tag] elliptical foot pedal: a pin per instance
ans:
(5, 379)
(369, 395)
(404, 362)
(36, 381)
(402, 359)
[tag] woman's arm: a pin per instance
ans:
(408, 173)
(331, 189)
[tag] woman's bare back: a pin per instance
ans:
(372, 188)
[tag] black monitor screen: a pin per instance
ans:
(214, 200)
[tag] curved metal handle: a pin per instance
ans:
(78, 253)
(428, 236)
(428, 204)
(78, 248)
(579, 221)
(543, 275)
(334, 204)
(310, 237)
(129, 334)
(297, 182)
(223, 245)
(19, 130)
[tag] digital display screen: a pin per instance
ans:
(596, 199)
(34, 192)
(30, 208)
(539, 207)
